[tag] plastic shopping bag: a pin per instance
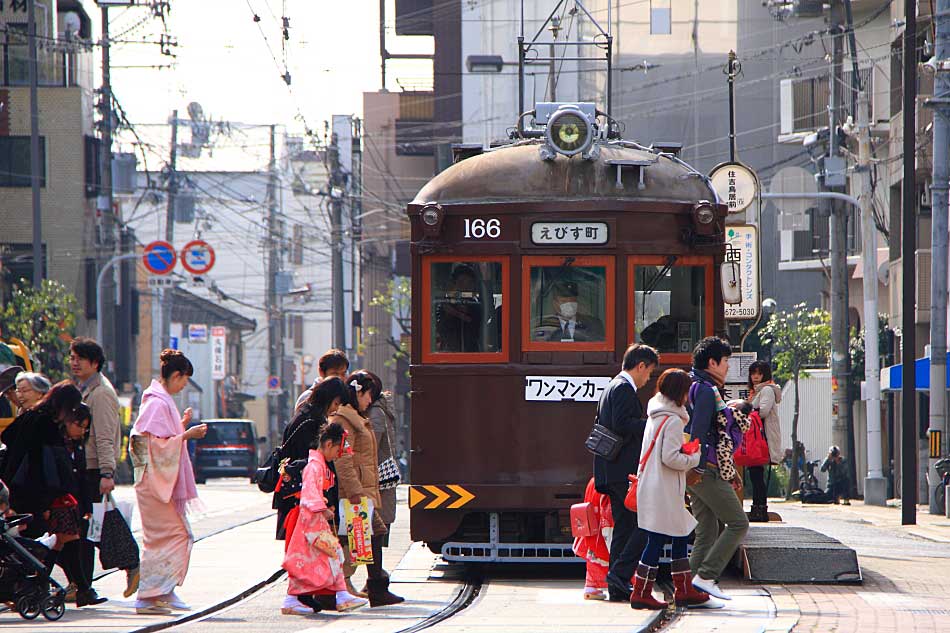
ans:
(357, 526)
(94, 533)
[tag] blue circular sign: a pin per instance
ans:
(159, 257)
(273, 382)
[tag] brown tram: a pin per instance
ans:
(533, 269)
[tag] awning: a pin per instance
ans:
(892, 380)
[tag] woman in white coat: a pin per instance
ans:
(764, 395)
(661, 511)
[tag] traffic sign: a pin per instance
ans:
(736, 185)
(273, 383)
(159, 257)
(197, 257)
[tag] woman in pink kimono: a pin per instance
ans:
(165, 486)
(314, 558)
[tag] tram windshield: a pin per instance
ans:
(670, 306)
(568, 303)
(466, 307)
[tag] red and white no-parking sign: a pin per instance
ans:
(197, 257)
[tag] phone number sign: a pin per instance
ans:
(742, 248)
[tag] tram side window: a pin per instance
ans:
(466, 307)
(670, 307)
(568, 304)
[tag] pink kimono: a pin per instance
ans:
(314, 559)
(165, 489)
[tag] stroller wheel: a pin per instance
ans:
(27, 607)
(53, 607)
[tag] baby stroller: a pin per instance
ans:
(25, 580)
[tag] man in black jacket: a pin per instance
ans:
(621, 411)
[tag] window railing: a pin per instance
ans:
(55, 67)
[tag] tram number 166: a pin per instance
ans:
(480, 228)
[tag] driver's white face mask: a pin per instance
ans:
(569, 309)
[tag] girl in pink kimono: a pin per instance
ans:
(314, 559)
(165, 487)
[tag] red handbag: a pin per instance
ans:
(585, 520)
(630, 501)
(754, 449)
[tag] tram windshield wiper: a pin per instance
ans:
(660, 274)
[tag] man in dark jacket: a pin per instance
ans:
(712, 499)
(621, 411)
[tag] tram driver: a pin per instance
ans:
(568, 324)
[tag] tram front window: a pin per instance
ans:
(568, 304)
(466, 307)
(670, 307)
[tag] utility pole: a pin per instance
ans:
(834, 179)
(875, 486)
(275, 335)
(909, 430)
(104, 200)
(356, 234)
(336, 242)
(36, 166)
(938, 248)
(166, 324)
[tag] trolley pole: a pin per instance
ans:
(275, 335)
(104, 200)
(336, 203)
(938, 252)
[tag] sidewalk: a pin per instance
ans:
(222, 566)
(929, 526)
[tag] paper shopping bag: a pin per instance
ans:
(94, 532)
(358, 522)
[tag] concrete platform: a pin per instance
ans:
(784, 554)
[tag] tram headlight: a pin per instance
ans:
(704, 217)
(569, 131)
(432, 215)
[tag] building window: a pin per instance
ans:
(661, 21)
(16, 268)
(568, 303)
(15, 161)
(671, 302)
(93, 173)
(296, 250)
(468, 312)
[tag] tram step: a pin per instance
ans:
(786, 554)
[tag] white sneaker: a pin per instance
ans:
(712, 603)
(711, 587)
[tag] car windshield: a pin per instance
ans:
(228, 433)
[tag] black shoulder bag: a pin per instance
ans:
(268, 474)
(602, 442)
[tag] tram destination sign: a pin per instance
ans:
(580, 233)
(558, 388)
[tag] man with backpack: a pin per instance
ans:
(713, 500)
(622, 413)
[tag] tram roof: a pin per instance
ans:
(517, 173)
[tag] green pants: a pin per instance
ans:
(713, 502)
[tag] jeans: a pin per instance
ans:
(760, 490)
(714, 501)
(628, 540)
(654, 548)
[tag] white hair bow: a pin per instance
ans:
(356, 385)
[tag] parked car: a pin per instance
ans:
(228, 450)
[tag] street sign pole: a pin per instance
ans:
(99, 279)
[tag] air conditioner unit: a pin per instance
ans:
(922, 313)
(925, 199)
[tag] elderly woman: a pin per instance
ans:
(30, 389)
(164, 486)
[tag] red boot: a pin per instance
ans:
(685, 594)
(642, 595)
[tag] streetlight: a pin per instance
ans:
(484, 64)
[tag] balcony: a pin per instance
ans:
(804, 102)
(64, 64)
(415, 128)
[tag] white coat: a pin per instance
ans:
(662, 486)
(765, 400)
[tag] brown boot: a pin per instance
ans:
(642, 595)
(379, 594)
(685, 594)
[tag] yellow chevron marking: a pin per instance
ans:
(464, 496)
(440, 497)
(415, 496)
